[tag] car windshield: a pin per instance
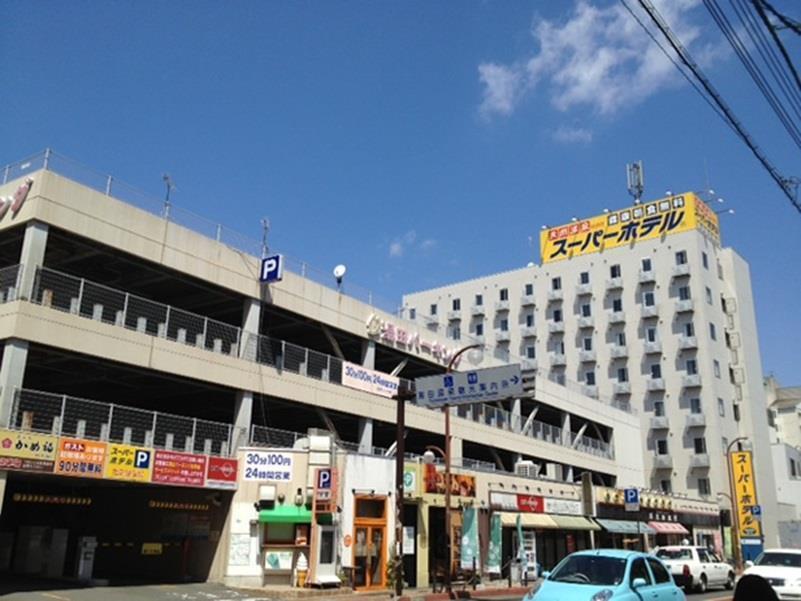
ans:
(590, 569)
(674, 554)
(787, 560)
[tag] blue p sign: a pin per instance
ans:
(324, 479)
(142, 459)
(272, 269)
(631, 495)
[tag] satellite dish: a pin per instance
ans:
(339, 273)
(530, 264)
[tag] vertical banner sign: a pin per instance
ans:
(470, 539)
(82, 458)
(124, 462)
(745, 494)
(495, 542)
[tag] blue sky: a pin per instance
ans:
(417, 142)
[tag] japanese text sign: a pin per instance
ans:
(369, 380)
(124, 462)
(647, 221)
(181, 469)
(745, 494)
(267, 466)
(479, 386)
(221, 473)
(82, 458)
(27, 451)
(530, 503)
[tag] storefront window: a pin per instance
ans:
(369, 508)
(327, 546)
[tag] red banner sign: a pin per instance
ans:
(530, 503)
(179, 469)
(222, 473)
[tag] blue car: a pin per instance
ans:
(608, 575)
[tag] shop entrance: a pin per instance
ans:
(370, 543)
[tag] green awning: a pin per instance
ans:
(286, 514)
(625, 526)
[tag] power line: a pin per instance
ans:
(784, 183)
(776, 38)
(786, 21)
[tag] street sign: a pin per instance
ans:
(479, 386)
(756, 511)
(272, 269)
(631, 498)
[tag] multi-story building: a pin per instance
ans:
(140, 351)
(644, 308)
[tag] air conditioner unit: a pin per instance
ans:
(527, 468)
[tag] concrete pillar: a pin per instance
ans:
(365, 435)
(32, 256)
(251, 317)
(566, 427)
(456, 451)
(3, 481)
(517, 416)
(368, 354)
(12, 372)
(243, 416)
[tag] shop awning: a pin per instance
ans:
(574, 522)
(286, 514)
(668, 528)
(625, 526)
(527, 520)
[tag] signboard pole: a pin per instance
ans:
(400, 452)
(735, 516)
(448, 531)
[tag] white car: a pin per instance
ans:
(696, 568)
(782, 569)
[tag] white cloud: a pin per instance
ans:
(395, 249)
(428, 244)
(598, 58)
(408, 241)
(571, 135)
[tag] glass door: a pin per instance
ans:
(369, 561)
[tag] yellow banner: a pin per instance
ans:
(124, 462)
(82, 458)
(28, 445)
(745, 494)
(646, 221)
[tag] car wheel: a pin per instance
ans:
(701, 588)
(730, 581)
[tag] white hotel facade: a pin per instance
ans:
(663, 323)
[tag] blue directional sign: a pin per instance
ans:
(479, 386)
(631, 498)
(272, 269)
(756, 511)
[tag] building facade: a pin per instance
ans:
(642, 308)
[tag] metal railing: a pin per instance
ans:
(9, 283)
(63, 415)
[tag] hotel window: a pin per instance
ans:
(557, 315)
(587, 343)
(433, 309)
(650, 334)
(793, 470)
(646, 264)
(617, 305)
(709, 295)
(721, 407)
(457, 304)
(689, 329)
(684, 293)
(700, 445)
(504, 325)
(665, 487)
(412, 313)
(720, 271)
(716, 368)
(705, 260)
(681, 257)
(659, 408)
(662, 446)
(614, 271)
(504, 294)
(656, 371)
(724, 443)
(621, 338)
(695, 405)
(622, 374)
(586, 310)
(713, 334)
(530, 352)
(703, 487)
(556, 284)
(736, 411)
(560, 347)
(529, 289)
(479, 300)
(584, 277)
(529, 320)
(589, 378)
(479, 329)
(692, 367)
(648, 299)
(457, 334)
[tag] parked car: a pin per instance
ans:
(607, 575)
(782, 569)
(696, 568)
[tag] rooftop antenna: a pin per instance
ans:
(170, 187)
(636, 180)
(265, 229)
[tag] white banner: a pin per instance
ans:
(563, 506)
(368, 380)
(268, 466)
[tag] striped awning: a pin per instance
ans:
(625, 526)
(574, 522)
(527, 520)
(668, 528)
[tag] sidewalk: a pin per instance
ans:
(346, 594)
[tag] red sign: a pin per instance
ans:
(222, 473)
(179, 469)
(530, 503)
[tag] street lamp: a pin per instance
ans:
(735, 521)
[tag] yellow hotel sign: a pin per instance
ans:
(745, 494)
(646, 221)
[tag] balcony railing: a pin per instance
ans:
(555, 295)
(617, 316)
(556, 327)
(478, 310)
(503, 335)
(650, 311)
(700, 461)
(9, 283)
(681, 270)
(614, 283)
(586, 321)
(655, 384)
(454, 315)
(662, 462)
(684, 306)
(696, 420)
(621, 388)
(587, 356)
(691, 381)
(63, 415)
(583, 289)
(653, 347)
(688, 342)
(528, 331)
(527, 300)
(557, 359)
(501, 305)
(659, 422)
(647, 276)
(619, 351)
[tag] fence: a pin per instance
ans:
(64, 415)
(9, 283)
